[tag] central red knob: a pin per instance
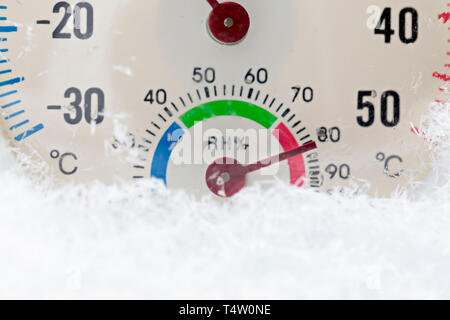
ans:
(228, 22)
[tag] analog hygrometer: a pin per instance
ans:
(212, 96)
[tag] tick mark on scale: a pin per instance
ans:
(156, 126)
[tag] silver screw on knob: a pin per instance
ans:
(229, 22)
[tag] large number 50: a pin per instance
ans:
(388, 119)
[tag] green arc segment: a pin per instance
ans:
(228, 108)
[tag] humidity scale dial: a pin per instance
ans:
(213, 97)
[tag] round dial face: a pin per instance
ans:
(214, 96)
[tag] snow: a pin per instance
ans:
(141, 241)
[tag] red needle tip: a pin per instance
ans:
(280, 157)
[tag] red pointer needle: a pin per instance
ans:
(225, 177)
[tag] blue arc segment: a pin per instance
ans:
(164, 150)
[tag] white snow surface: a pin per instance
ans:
(139, 241)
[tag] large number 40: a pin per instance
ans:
(408, 17)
